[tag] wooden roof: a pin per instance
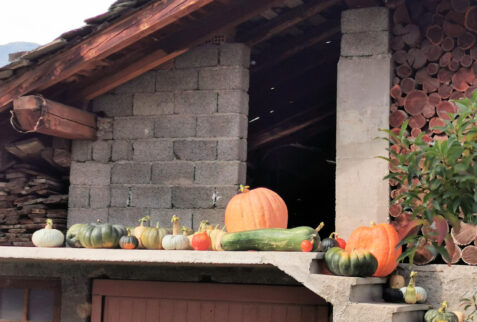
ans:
(135, 36)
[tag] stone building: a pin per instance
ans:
(192, 99)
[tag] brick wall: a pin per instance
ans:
(172, 141)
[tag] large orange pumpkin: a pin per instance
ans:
(381, 240)
(255, 209)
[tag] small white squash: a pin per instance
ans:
(176, 240)
(48, 237)
(421, 294)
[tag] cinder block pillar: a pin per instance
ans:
(364, 78)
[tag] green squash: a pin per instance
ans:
(101, 235)
(355, 263)
(128, 241)
(328, 243)
(440, 315)
(72, 237)
(152, 237)
(272, 239)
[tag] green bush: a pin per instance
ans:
(440, 178)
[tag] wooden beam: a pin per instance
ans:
(288, 127)
(279, 54)
(286, 20)
(99, 46)
(177, 44)
(39, 115)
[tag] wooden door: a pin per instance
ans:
(141, 301)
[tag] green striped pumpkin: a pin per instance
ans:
(101, 235)
(355, 263)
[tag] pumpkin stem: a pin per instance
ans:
(98, 221)
(129, 232)
(49, 224)
(443, 307)
(333, 235)
(373, 223)
(244, 188)
(157, 225)
(176, 228)
(203, 225)
(321, 225)
(143, 220)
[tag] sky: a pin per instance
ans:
(41, 21)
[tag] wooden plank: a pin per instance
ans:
(174, 46)
(97, 47)
(286, 20)
(97, 308)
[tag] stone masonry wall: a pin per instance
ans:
(172, 141)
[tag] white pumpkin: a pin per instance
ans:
(176, 241)
(48, 237)
(421, 294)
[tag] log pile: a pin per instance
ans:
(434, 46)
(28, 196)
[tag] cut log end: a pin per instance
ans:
(415, 102)
(455, 253)
(465, 234)
(469, 255)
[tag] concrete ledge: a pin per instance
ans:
(158, 257)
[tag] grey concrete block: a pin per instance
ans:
(222, 125)
(105, 128)
(144, 83)
(133, 128)
(176, 80)
(99, 196)
(83, 215)
(153, 103)
(365, 19)
(220, 173)
(126, 216)
(193, 197)
(214, 216)
(121, 196)
(223, 194)
(153, 150)
(135, 172)
(232, 150)
(365, 43)
(195, 102)
(151, 197)
(114, 104)
(121, 150)
(90, 173)
(102, 151)
(233, 102)
(202, 56)
(194, 150)
(78, 196)
(163, 216)
(175, 126)
(234, 54)
(173, 173)
(81, 150)
(224, 78)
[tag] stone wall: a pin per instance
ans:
(444, 283)
(172, 141)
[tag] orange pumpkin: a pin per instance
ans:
(381, 240)
(255, 209)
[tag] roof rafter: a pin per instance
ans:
(287, 20)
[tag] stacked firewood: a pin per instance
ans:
(434, 45)
(461, 246)
(28, 196)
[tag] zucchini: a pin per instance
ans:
(272, 239)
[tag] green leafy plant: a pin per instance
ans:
(438, 179)
(469, 303)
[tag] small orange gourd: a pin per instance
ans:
(255, 209)
(381, 241)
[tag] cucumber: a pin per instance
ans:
(272, 239)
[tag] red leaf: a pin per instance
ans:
(437, 231)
